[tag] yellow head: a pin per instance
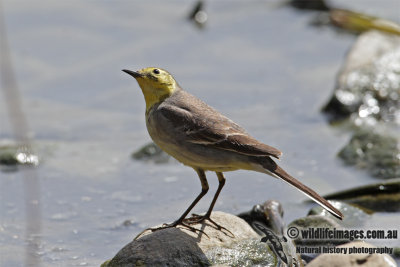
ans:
(157, 84)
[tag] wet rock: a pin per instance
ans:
(12, 155)
(270, 213)
(8, 155)
(250, 252)
(267, 220)
(368, 95)
(384, 196)
(314, 226)
(378, 153)
(182, 247)
(354, 259)
(151, 152)
(368, 85)
(313, 223)
(353, 217)
(396, 252)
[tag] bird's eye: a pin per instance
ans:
(156, 71)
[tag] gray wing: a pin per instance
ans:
(203, 125)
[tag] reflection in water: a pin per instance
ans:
(20, 130)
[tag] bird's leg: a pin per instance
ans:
(221, 180)
(200, 218)
(181, 220)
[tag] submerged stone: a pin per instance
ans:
(151, 152)
(12, 155)
(8, 155)
(368, 85)
(378, 153)
(384, 196)
(312, 229)
(306, 231)
(352, 216)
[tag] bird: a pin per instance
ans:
(200, 137)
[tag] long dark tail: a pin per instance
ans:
(271, 167)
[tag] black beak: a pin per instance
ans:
(134, 74)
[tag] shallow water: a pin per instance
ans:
(260, 63)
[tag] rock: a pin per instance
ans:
(151, 152)
(384, 196)
(313, 222)
(250, 252)
(267, 220)
(8, 155)
(377, 152)
(357, 259)
(354, 217)
(396, 252)
(12, 155)
(171, 247)
(270, 213)
(368, 85)
(368, 94)
(182, 247)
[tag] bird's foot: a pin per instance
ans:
(172, 225)
(195, 219)
(175, 224)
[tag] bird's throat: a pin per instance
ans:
(156, 96)
(155, 93)
(152, 99)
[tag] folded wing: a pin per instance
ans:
(203, 125)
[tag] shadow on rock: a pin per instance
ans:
(171, 246)
(181, 247)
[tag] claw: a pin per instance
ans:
(171, 225)
(195, 219)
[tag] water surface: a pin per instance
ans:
(262, 65)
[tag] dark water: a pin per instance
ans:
(258, 62)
